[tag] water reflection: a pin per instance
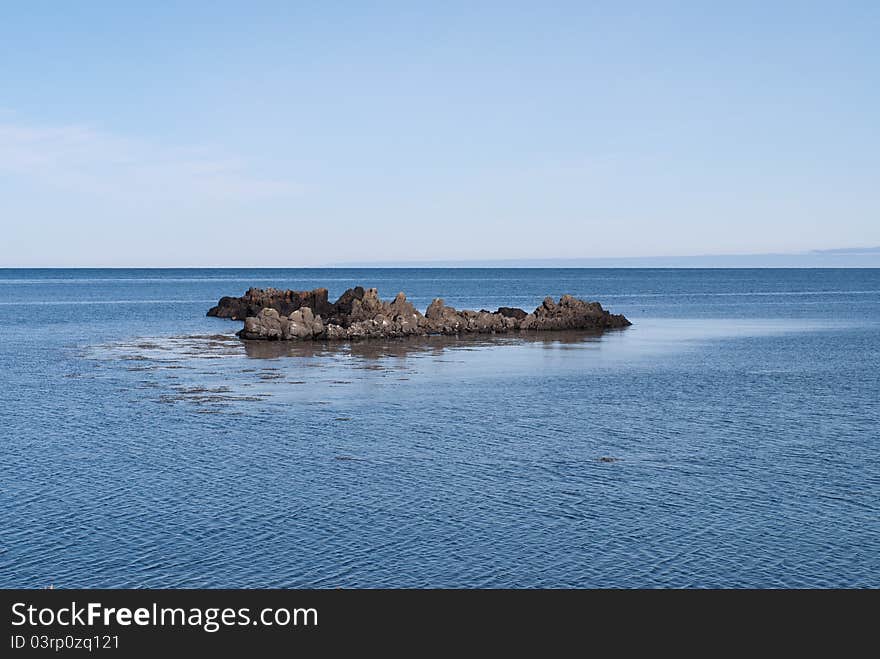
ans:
(373, 349)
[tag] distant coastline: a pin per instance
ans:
(854, 257)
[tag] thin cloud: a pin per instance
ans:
(83, 160)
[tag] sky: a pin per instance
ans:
(302, 134)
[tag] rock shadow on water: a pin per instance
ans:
(415, 346)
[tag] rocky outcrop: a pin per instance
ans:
(359, 313)
(568, 313)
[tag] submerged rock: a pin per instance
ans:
(359, 313)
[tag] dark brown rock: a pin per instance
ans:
(512, 312)
(571, 313)
(283, 301)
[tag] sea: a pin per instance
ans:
(730, 438)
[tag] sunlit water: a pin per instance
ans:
(728, 438)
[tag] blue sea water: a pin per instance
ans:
(145, 446)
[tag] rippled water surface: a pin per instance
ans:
(730, 437)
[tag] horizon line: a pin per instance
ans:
(843, 257)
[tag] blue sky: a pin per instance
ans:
(297, 134)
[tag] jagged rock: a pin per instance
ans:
(570, 313)
(360, 313)
(343, 304)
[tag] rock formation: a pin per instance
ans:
(274, 314)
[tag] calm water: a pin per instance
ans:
(144, 446)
